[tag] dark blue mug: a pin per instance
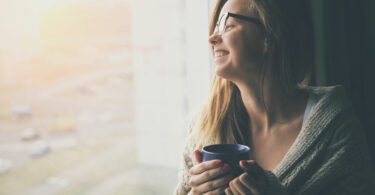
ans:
(228, 153)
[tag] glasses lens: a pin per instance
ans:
(222, 22)
(216, 28)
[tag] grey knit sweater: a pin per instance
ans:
(329, 155)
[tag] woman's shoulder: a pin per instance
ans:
(329, 98)
(322, 91)
(332, 106)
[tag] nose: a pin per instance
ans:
(214, 39)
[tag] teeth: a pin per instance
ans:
(219, 54)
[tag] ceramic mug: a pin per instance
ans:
(228, 153)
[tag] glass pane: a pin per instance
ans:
(222, 23)
(95, 94)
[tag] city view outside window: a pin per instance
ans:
(95, 95)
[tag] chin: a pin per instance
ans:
(224, 73)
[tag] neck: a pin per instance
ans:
(269, 106)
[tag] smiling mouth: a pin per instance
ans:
(221, 53)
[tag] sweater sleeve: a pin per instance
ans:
(346, 167)
(273, 185)
(349, 161)
(183, 187)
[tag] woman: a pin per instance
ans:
(304, 140)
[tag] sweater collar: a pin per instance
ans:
(331, 103)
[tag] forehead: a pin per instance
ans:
(237, 7)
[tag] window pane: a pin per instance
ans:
(95, 94)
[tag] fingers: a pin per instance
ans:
(244, 184)
(198, 156)
(202, 167)
(207, 175)
(252, 167)
(216, 191)
(213, 186)
(255, 176)
(228, 191)
(237, 187)
(248, 182)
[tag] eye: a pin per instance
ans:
(228, 27)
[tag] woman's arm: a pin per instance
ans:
(346, 166)
(255, 181)
(183, 187)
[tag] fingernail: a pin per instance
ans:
(218, 162)
(245, 162)
(226, 167)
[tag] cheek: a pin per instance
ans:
(249, 49)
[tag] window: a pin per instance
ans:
(95, 94)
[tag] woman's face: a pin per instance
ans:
(239, 50)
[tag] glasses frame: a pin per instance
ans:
(220, 27)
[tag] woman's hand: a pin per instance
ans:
(253, 183)
(204, 176)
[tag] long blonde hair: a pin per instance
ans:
(223, 117)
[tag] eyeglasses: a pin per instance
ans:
(221, 24)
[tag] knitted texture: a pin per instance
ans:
(329, 156)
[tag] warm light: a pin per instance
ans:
(45, 4)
